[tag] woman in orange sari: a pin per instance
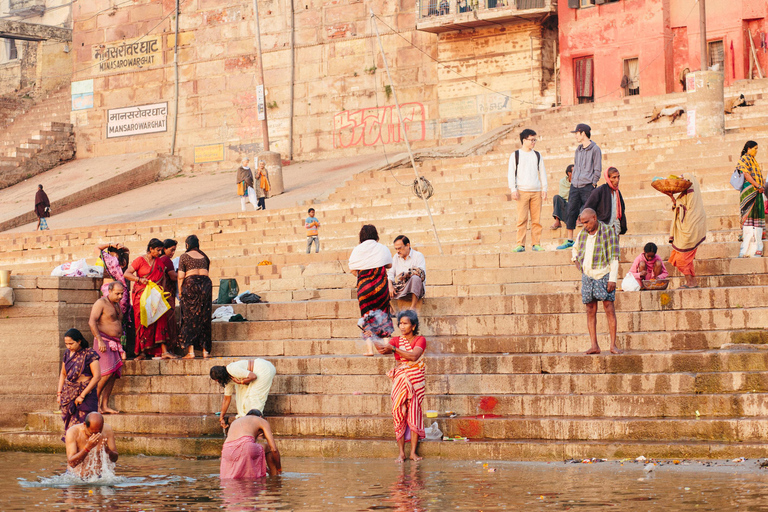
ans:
(151, 340)
(689, 230)
(408, 382)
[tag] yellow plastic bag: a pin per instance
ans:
(153, 304)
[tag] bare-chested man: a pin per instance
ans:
(106, 323)
(242, 457)
(85, 443)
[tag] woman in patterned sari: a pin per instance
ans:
(369, 262)
(80, 374)
(752, 206)
(151, 340)
(196, 294)
(408, 382)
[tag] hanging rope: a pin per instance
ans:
(422, 188)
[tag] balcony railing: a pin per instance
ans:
(444, 15)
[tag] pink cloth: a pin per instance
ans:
(243, 458)
(634, 270)
(111, 361)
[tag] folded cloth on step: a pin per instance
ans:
(223, 314)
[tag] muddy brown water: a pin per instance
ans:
(31, 481)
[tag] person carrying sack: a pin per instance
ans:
(245, 184)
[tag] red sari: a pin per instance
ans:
(408, 389)
(149, 338)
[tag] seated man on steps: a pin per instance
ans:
(248, 380)
(408, 273)
(560, 201)
(87, 443)
(242, 457)
(596, 254)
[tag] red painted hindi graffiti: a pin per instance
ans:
(378, 125)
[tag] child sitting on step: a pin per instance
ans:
(648, 266)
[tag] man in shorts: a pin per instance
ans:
(596, 254)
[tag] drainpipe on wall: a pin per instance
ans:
(175, 81)
(264, 126)
(533, 94)
(293, 77)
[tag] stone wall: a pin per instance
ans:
(342, 102)
(31, 336)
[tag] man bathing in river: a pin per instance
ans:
(106, 323)
(85, 440)
(242, 457)
(596, 255)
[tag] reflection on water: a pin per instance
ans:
(30, 481)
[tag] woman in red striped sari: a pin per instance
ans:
(408, 382)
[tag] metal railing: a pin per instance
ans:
(437, 8)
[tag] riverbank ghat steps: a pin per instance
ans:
(506, 332)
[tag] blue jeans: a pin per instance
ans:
(316, 240)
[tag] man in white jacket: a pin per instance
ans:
(528, 183)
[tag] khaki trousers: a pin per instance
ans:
(529, 202)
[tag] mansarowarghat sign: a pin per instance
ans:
(122, 122)
(128, 56)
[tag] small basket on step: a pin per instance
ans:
(656, 284)
(671, 186)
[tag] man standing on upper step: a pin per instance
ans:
(587, 167)
(528, 183)
(596, 254)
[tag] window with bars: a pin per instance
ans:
(716, 50)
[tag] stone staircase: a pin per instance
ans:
(506, 332)
(37, 138)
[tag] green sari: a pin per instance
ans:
(751, 204)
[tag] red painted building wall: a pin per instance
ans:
(663, 35)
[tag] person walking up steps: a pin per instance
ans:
(528, 183)
(587, 167)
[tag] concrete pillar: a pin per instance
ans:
(274, 167)
(705, 103)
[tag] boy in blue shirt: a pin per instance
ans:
(311, 224)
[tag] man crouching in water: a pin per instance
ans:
(242, 457)
(82, 439)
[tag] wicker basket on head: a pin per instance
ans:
(671, 186)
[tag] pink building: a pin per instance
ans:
(611, 49)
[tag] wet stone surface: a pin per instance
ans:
(35, 482)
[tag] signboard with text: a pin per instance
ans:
(128, 56)
(209, 153)
(122, 122)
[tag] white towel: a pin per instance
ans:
(369, 254)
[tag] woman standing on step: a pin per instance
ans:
(263, 185)
(369, 262)
(80, 374)
(196, 294)
(151, 340)
(751, 205)
(689, 230)
(408, 382)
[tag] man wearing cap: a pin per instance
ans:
(587, 168)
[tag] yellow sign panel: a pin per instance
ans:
(209, 153)
(127, 55)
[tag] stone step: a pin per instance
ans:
(613, 429)
(306, 446)
(638, 406)
(633, 341)
(507, 324)
(504, 365)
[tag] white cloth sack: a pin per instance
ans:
(77, 268)
(433, 433)
(369, 254)
(630, 284)
(223, 314)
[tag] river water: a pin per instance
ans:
(31, 481)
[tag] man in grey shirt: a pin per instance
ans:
(587, 168)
